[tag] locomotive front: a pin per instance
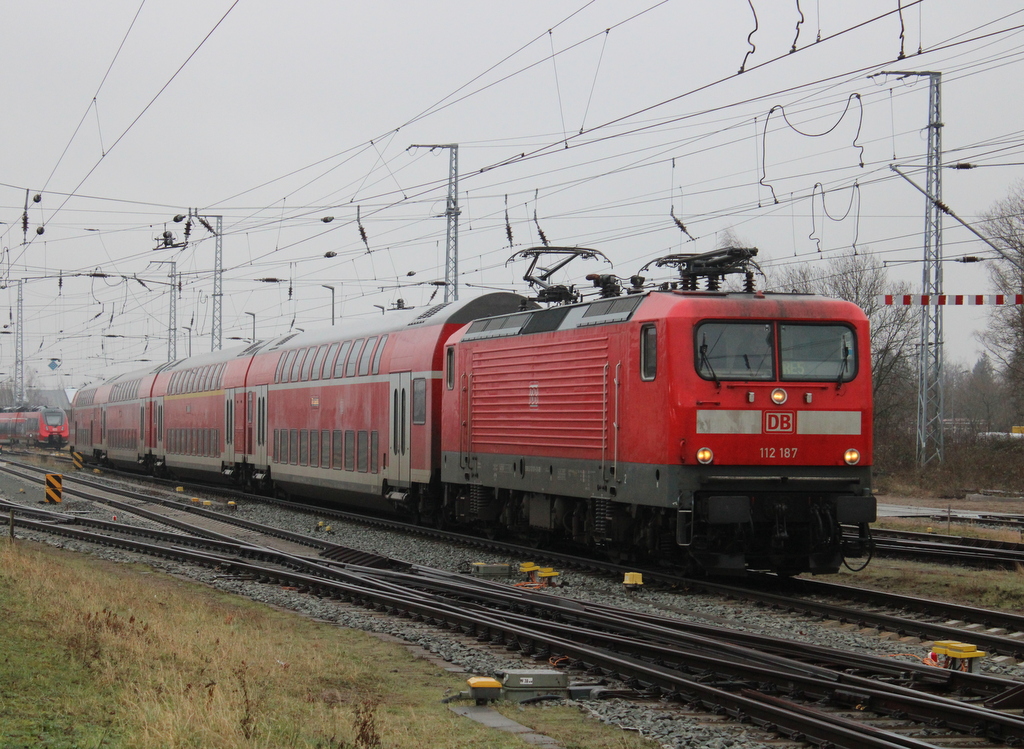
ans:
(774, 411)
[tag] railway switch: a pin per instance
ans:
(958, 656)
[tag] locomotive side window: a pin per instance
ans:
(419, 401)
(339, 366)
(450, 367)
(735, 351)
(817, 352)
(648, 352)
(353, 359)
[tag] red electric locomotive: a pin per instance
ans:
(727, 430)
(40, 425)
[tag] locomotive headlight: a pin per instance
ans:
(779, 396)
(705, 456)
(852, 457)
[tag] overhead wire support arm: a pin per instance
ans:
(946, 209)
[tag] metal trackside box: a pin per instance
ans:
(490, 570)
(519, 684)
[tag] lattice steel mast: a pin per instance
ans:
(930, 405)
(451, 212)
(19, 349)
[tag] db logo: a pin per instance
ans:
(534, 395)
(779, 421)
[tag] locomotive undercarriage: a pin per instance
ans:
(787, 533)
(623, 532)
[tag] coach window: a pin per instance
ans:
(364, 360)
(648, 352)
(374, 447)
(318, 363)
(280, 367)
(325, 449)
(329, 361)
(350, 450)
(376, 357)
(362, 451)
(287, 369)
(353, 358)
(450, 367)
(307, 368)
(339, 366)
(337, 450)
(293, 449)
(419, 401)
(303, 447)
(297, 365)
(314, 447)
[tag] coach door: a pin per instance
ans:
(258, 424)
(400, 457)
(159, 425)
(229, 426)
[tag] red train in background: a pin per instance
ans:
(726, 430)
(38, 425)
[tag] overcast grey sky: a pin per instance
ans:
(601, 118)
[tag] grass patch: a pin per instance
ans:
(563, 723)
(940, 527)
(989, 589)
(99, 654)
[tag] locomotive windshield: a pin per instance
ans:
(817, 352)
(746, 351)
(53, 418)
(735, 351)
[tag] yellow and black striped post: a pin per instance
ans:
(54, 484)
(77, 459)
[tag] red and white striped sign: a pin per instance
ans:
(944, 300)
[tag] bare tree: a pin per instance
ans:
(862, 279)
(1004, 338)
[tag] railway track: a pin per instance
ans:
(776, 684)
(997, 632)
(959, 550)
